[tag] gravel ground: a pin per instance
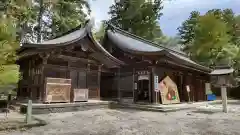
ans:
(133, 122)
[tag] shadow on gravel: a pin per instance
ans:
(203, 112)
(128, 110)
(230, 103)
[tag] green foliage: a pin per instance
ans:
(211, 42)
(138, 17)
(36, 19)
(8, 45)
(67, 14)
(187, 30)
(237, 30)
(24, 16)
(170, 42)
(212, 38)
(9, 74)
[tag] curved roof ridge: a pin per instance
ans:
(142, 39)
(69, 31)
(64, 38)
(89, 32)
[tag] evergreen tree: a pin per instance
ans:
(62, 15)
(138, 17)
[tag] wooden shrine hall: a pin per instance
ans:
(151, 73)
(65, 69)
(75, 67)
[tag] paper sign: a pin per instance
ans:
(135, 86)
(156, 83)
(188, 88)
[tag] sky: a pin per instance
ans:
(174, 11)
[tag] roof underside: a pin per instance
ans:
(75, 36)
(136, 45)
(222, 71)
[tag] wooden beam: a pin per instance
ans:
(78, 54)
(76, 59)
(66, 68)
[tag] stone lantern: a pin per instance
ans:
(222, 76)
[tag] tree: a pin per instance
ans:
(138, 17)
(24, 16)
(237, 30)
(187, 30)
(8, 45)
(44, 19)
(62, 16)
(169, 42)
(211, 43)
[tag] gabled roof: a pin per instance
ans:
(136, 45)
(65, 39)
(70, 37)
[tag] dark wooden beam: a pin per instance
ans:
(76, 59)
(66, 68)
(77, 53)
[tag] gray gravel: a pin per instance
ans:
(133, 122)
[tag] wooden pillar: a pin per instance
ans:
(133, 84)
(72, 89)
(149, 88)
(118, 84)
(99, 81)
(29, 87)
(42, 90)
(87, 75)
(88, 70)
(153, 70)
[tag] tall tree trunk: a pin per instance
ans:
(39, 35)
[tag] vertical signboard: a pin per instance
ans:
(156, 83)
(156, 87)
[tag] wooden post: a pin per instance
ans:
(69, 74)
(133, 83)
(119, 92)
(87, 74)
(152, 83)
(43, 89)
(99, 81)
(29, 112)
(149, 88)
(224, 98)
